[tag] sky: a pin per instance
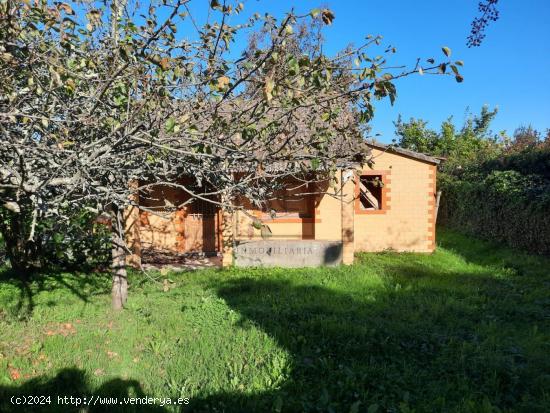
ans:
(510, 70)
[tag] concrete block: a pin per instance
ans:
(288, 253)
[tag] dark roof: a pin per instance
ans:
(405, 152)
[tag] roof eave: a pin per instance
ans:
(405, 152)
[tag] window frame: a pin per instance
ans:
(385, 197)
(308, 216)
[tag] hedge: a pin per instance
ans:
(535, 161)
(504, 206)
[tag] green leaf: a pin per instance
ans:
(72, 22)
(315, 164)
(266, 232)
(170, 125)
(66, 8)
(367, 72)
(315, 12)
(446, 51)
(459, 63)
(294, 67)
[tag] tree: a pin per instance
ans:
(524, 138)
(416, 136)
(470, 144)
(101, 104)
(75, 97)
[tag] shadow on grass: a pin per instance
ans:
(73, 382)
(426, 339)
(491, 254)
(448, 344)
(81, 286)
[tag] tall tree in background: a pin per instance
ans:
(527, 137)
(472, 142)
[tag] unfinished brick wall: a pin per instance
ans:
(325, 223)
(406, 222)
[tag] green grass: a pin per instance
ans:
(465, 329)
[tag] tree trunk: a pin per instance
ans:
(119, 293)
(19, 257)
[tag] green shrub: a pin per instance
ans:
(530, 161)
(505, 206)
(494, 186)
(77, 242)
(80, 242)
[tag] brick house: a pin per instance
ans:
(389, 207)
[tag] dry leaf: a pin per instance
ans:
(223, 81)
(164, 63)
(327, 16)
(14, 374)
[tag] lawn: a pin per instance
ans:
(465, 329)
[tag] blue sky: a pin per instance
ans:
(510, 70)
